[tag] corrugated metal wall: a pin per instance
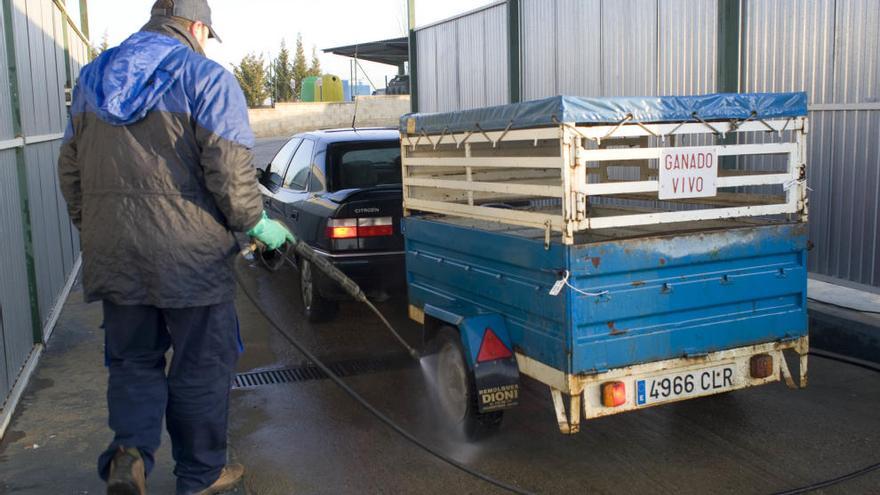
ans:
(42, 78)
(15, 315)
(17, 337)
(463, 63)
(829, 48)
(618, 47)
(40, 36)
(688, 39)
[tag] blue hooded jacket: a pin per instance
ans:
(125, 83)
(157, 172)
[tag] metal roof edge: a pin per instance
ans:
(463, 14)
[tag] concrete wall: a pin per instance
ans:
(290, 118)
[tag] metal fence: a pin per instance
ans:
(463, 63)
(829, 48)
(41, 53)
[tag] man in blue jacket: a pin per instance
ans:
(156, 168)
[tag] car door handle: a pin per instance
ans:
(267, 203)
(294, 215)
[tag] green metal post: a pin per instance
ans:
(21, 166)
(513, 50)
(65, 31)
(728, 69)
(728, 45)
(84, 17)
(413, 57)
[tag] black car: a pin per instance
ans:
(340, 192)
(398, 86)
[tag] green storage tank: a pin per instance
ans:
(308, 92)
(331, 88)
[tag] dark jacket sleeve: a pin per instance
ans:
(69, 170)
(225, 139)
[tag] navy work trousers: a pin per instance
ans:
(193, 396)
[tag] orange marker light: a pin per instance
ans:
(342, 232)
(342, 228)
(613, 394)
(761, 366)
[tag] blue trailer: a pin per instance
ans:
(627, 252)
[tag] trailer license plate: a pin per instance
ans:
(676, 386)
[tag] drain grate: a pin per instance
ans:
(308, 373)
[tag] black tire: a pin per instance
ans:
(316, 307)
(455, 390)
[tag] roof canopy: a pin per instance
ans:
(391, 52)
(652, 109)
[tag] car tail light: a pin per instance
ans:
(492, 348)
(613, 394)
(353, 228)
(761, 366)
(342, 228)
(375, 227)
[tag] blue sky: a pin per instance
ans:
(259, 25)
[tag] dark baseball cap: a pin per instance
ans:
(191, 10)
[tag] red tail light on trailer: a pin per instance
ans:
(492, 348)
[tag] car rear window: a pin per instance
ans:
(363, 165)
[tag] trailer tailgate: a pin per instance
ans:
(686, 295)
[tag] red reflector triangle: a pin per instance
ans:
(492, 348)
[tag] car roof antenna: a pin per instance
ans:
(353, 85)
(354, 119)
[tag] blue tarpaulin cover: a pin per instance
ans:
(572, 109)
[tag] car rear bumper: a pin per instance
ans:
(373, 272)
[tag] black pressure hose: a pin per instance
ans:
(831, 482)
(841, 306)
(855, 474)
(350, 286)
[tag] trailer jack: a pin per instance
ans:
(802, 348)
(571, 423)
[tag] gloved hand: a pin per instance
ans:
(272, 233)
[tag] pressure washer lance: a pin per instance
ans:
(330, 270)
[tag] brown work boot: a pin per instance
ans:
(229, 478)
(127, 473)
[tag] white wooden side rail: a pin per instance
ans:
(446, 162)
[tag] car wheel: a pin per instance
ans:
(455, 389)
(316, 307)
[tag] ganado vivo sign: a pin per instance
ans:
(688, 173)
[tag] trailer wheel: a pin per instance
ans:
(455, 389)
(316, 307)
